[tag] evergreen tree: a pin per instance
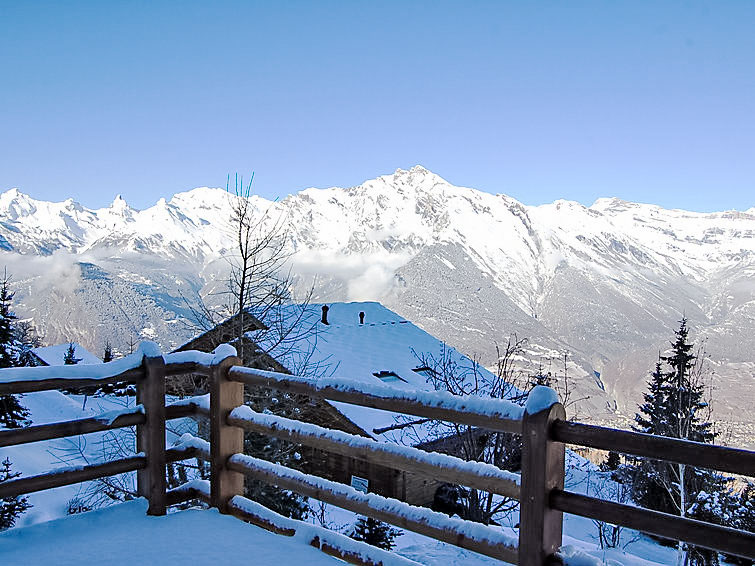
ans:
(375, 532)
(612, 462)
(12, 414)
(70, 357)
(674, 406)
(10, 507)
(27, 338)
(108, 355)
(286, 503)
(7, 339)
(652, 416)
(541, 378)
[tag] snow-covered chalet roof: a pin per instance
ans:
(386, 344)
(55, 355)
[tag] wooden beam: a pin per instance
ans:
(181, 411)
(150, 436)
(59, 478)
(440, 468)
(14, 387)
(697, 454)
(698, 533)
(38, 433)
(180, 454)
(362, 506)
(225, 440)
(397, 404)
(132, 375)
(183, 368)
(540, 526)
(262, 522)
(176, 496)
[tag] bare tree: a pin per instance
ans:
(611, 485)
(446, 373)
(563, 386)
(258, 292)
(257, 313)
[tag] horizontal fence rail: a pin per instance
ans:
(74, 475)
(439, 466)
(330, 542)
(679, 451)
(69, 476)
(101, 423)
(491, 414)
(698, 533)
(132, 375)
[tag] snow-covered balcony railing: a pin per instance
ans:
(678, 451)
(542, 461)
(147, 370)
(539, 489)
(544, 430)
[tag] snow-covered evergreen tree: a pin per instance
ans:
(375, 532)
(12, 413)
(27, 338)
(10, 507)
(674, 406)
(7, 339)
(107, 356)
(70, 355)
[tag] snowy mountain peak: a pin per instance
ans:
(15, 204)
(417, 177)
(119, 203)
(612, 204)
(72, 205)
(11, 194)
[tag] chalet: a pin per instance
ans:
(55, 355)
(361, 341)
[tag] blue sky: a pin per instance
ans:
(647, 101)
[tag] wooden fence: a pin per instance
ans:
(539, 488)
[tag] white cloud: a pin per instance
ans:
(366, 277)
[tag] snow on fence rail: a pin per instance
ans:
(441, 466)
(540, 488)
(493, 414)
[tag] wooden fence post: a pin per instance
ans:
(150, 436)
(225, 440)
(540, 526)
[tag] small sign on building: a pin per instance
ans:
(360, 484)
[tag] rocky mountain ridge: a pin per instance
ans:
(605, 284)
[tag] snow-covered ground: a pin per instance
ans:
(124, 535)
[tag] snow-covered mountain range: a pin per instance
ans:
(606, 284)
